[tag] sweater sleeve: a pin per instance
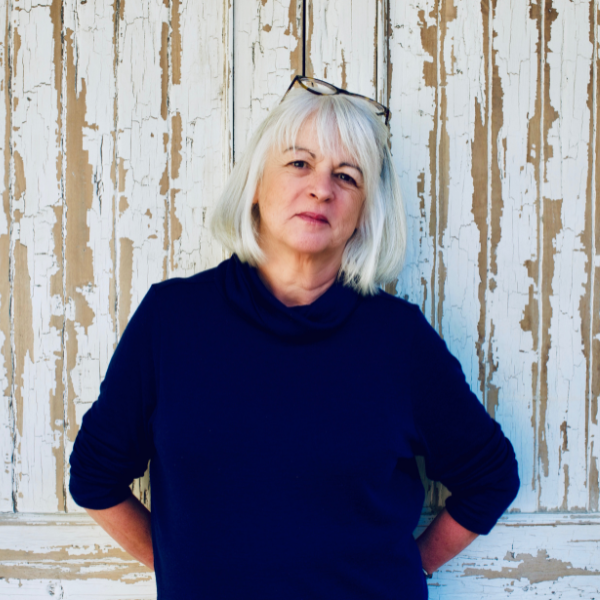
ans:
(114, 443)
(463, 446)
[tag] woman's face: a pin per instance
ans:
(309, 203)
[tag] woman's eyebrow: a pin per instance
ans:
(346, 164)
(298, 148)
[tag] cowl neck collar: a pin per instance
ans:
(244, 288)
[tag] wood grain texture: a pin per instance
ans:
(201, 130)
(267, 55)
(461, 117)
(342, 43)
(7, 424)
(143, 125)
(37, 270)
(546, 556)
(67, 556)
(120, 123)
(565, 252)
(70, 556)
(594, 325)
(89, 175)
(413, 84)
(413, 101)
(512, 349)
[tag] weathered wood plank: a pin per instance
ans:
(382, 52)
(6, 367)
(201, 130)
(37, 214)
(90, 90)
(594, 269)
(413, 89)
(413, 93)
(511, 350)
(526, 554)
(462, 162)
(562, 425)
(446, 269)
(267, 55)
(142, 158)
(342, 42)
(547, 556)
(67, 556)
(17, 589)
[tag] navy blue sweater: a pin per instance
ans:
(282, 440)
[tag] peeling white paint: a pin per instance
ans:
(547, 556)
(198, 101)
(342, 43)
(266, 38)
(413, 106)
(499, 259)
(508, 306)
(38, 340)
(92, 26)
(6, 423)
(565, 178)
(142, 123)
(462, 59)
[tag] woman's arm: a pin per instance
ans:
(442, 540)
(129, 524)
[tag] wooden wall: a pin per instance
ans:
(119, 122)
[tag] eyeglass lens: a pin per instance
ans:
(321, 87)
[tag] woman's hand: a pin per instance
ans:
(128, 523)
(442, 540)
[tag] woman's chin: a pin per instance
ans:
(311, 246)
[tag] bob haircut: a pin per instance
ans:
(375, 252)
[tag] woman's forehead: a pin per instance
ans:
(326, 142)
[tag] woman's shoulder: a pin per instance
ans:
(193, 287)
(389, 306)
(393, 316)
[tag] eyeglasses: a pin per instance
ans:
(322, 88)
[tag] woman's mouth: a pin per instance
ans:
(313, 217)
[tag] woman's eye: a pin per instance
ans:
(345, 177)
(300, 164)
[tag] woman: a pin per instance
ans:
(282, 397)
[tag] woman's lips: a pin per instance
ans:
(313, 217)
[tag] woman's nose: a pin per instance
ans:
(321, 185)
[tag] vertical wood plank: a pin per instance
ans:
(563, 433)
(462, 139)
(512, 301)
(6, 417)
(594, 217)
(342, 42)
(142, 157)
(413, 93)
(382, 52)
(267, 55)
(90, 93)
(37, 214)
(201, 130)
(413, 90)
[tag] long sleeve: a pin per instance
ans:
(114, 443)
(463, 446)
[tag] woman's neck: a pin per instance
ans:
(298, 280)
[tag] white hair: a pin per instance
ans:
(375, 252)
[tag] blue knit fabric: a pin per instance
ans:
(282, 440)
